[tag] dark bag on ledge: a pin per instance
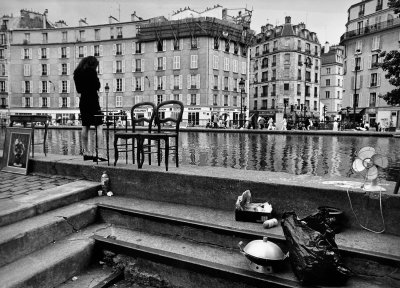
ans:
(314, 256)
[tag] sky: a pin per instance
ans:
(325, 17)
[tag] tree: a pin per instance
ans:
(394, 4)
(391, 64)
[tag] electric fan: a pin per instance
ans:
(367, 163)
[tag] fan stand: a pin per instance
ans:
(373, 186)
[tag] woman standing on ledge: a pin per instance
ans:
(87, 84)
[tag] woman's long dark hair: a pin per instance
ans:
(87, 63)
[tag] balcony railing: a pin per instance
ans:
(275, 49)
(264, 79)
(298, 48)
(273, 78)
(273, 93)
(378, 7)
(257, 54)
(308, 51)
(370, 29)
(375, 65)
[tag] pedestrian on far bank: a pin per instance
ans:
(87, 84)
(335, 125)
(284, 124)
(261, 122)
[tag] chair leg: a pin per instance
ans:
(166, 153)
(115, 150)
(159, 151)
(133, 149)
(149, 150)
(140, 152)
(176, 153)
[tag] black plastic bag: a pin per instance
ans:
(314, 256)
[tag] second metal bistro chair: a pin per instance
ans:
(175, 108)
(133, 134)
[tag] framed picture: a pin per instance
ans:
(17, 146)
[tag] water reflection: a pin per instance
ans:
(295, 154)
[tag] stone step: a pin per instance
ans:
(96, 276)
(373, 255)
(24, 206)
(26, 236)
(176, 262)
(53, 264)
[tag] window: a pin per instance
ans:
(235, 48)
(64, 36)
(44, 69)
(80, 52)
(64, 102)
(96, 50)
(226, 85)
(308, 48)
(64, 69)
(265, 91)
(194, 118)
(63, 52)
(192, 99)
(27, 38)
(160, 46)
(275, 45)
(138, 65)
(45, 38)
(264, 76)
(298, 74)
(286, 72)
(176, 82)
(193, 61)
(119, 32)
(308, 76)
(160, 63)
(215, 62)
(372, 99)
(119, 85)
(177, 62)
(338, 95)
(328, 71)
(194, 43)
(118, 101)
(64, 87)
(273, 75)
(374, 80)
(2, 69)
(235, 66)
(315, 91)
(2, 55)
(287, 58)
(227, 46)
(226, 64)
(138, 47)
(215, 99)
(338, 82)
(328, 82)
(44, 87)
(118, 66)
(27, 87)
(316, 51)
(286, 86)
(118, 49)
(193, 81)
(82, 35)
(215, 82)
(358, 63)
(355, 99)
(27, 70)
(257, 51)
(316, 77)
(264, 63)
(176, 44)
(44, 53)
(298, 90)
(138, 83)
(27, 102)
(97, 34)
(44, 102)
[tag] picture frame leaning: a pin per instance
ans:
(16, 151)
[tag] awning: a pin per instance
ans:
(360, 111)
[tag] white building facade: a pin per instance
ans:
(371, 28)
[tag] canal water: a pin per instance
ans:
(296, 154)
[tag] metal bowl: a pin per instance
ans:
(262, 252)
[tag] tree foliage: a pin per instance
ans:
(394, 4)
(391, 64)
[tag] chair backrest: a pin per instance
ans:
(144, 115)
(175, 117)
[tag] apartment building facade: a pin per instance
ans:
(285, 71)
(195, 60)
(331, 93)
(372, 27)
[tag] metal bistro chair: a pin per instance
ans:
(134, 134)
(162, 133)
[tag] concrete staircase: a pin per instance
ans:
(152, 229)
(45, 238)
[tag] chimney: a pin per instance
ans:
(287, 19)
(45, 19)
(326, 47)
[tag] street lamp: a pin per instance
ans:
(107, 89)
(355, 89)
(241, 87)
